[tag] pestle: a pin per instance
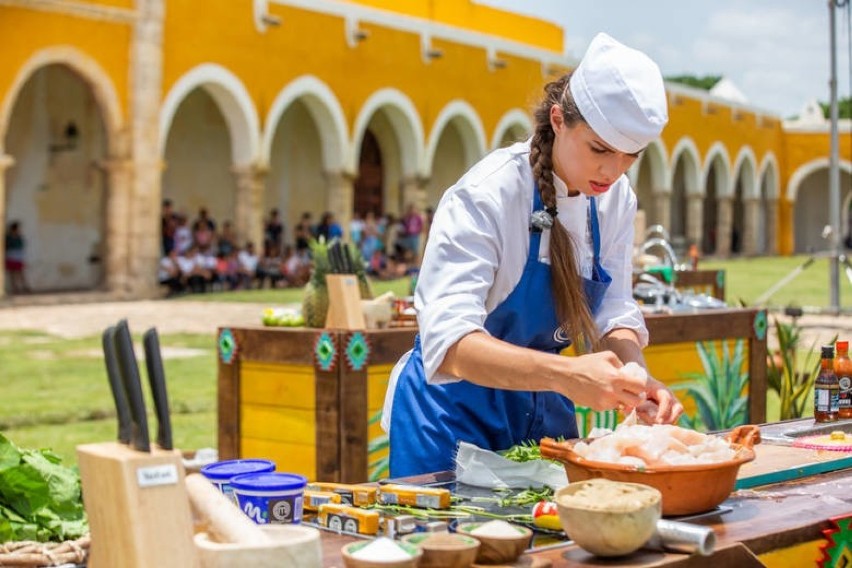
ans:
(222, 520)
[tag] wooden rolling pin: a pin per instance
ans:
(222, 521)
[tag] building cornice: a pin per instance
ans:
(76, 9)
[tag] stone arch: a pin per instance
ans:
(304, 147)
(687, 150)
(811, 215)
(398, 129)
(325, 110)
(457, 140)
(648, 176)
(745, 215)
(91, 72)
(716, 218)
(769, 187)
(233, 101)
(684, 206)
(510, 126)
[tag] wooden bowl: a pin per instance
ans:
(445, 550)
(498, 549)
(686, 489)
(352, 562)
(612, 518)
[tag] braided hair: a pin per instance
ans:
(572, 309)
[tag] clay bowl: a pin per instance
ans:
(498, 549)
(686, 489)
(608, 518)
(352, 562)
(445, 550)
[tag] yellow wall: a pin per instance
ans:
(26, 32)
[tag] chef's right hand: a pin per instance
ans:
(595, 382)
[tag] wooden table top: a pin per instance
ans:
(756, 520)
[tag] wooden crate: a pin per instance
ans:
(308, 399)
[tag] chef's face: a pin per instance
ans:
(582, 159)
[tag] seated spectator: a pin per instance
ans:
(295, 267)
(194, 270)
(183, 235)
(227, 270)
(169, 273)
(248, 263)
(226, 241)
(269, 267)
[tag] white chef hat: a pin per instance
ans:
(620, 93)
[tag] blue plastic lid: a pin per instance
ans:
(269, 481)
(225, 470)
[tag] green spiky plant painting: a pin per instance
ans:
(718, 391)
(378, 466)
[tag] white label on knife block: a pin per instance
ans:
(155, 475)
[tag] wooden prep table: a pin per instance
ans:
(776, 525)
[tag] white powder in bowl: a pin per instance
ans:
(383, 549)
(496, 528)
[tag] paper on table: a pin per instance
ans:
(484, 468)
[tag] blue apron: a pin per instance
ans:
(428, 421)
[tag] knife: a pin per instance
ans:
(116, 385)
(157, 380)
(133, 387)
(347, 260)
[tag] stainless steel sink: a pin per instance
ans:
(785, 433)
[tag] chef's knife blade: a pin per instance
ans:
(157, 380)
(347, 260)
(133, 386)
(116, 385)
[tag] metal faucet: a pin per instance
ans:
(655, 242)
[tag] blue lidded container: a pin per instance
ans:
(221, 473)
(270, 497)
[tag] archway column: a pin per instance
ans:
(694, 218)
(724, 223)
(413, 191)
(341, 197)
(248, 210)
(119, 174)
(771, 226)
(661, 208)
(6, 162)
(751, 222)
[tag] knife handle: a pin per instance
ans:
(157, 380)
(116, 385)
(133, 386)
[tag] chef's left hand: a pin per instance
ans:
(661, 405)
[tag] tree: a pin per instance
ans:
(844, 108)
(704, 83)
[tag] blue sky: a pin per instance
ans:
(775, 51)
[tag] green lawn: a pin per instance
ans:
(54, 392)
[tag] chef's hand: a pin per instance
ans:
(597, 383)
(661, 406)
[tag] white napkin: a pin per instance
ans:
(484, 468)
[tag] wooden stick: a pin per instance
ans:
(224, 522)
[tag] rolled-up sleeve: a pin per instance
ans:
(459, 265)
(619, 309)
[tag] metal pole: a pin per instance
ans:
(834, 173)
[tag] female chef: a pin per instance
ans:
(530, 251)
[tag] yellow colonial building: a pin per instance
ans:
(107, 107)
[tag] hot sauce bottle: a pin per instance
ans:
(826, 388)
(843, 370)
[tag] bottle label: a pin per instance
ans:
(845, 391)
(822, 400)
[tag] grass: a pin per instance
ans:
(747, 279)
(54, 392)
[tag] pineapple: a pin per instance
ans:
(315, 299)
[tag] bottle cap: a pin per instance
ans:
(843, 346)
(828, 351)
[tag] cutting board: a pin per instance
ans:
(774, 464)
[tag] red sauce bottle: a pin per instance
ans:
(826, 388)
(843, 370)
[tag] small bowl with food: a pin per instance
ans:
(609, 518)
(499, 541)
(381, 552)
(444, 550)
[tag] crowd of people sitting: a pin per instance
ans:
(201, 256)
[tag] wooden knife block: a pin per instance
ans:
(344, 302)
(138, 507)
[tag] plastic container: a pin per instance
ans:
(221, 473)
(270, 497)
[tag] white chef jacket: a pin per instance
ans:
(479, 243)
